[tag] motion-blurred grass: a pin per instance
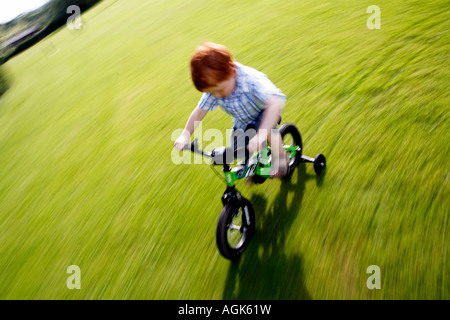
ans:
(86, 176)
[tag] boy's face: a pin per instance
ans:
(223, 88)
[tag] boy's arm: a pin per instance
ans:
(272, 113)
(196, 116)
(270, 118)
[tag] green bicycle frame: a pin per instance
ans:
(258, 165)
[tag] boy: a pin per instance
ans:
(246, 94)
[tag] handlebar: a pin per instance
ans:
(194, 148)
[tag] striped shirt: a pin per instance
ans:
(248, 98)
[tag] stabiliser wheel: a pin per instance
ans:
(235, 227)
(291, 136)
(320, 163)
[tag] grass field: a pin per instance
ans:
(86, 176)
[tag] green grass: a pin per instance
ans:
(86, 176)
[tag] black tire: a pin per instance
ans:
(235, 228)
(289, 131)
(320, 163)
(258, 179)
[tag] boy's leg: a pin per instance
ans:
(279, 157)
(241, 138)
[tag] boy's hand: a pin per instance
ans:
(182, 141)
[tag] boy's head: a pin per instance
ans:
(213, 69)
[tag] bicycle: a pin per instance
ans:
(236, 223)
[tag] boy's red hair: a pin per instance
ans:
(211, 63)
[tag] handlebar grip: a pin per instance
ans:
(192, 146)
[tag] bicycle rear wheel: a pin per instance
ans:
(291, 137)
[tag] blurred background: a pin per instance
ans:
(24, 23)
(86, 177)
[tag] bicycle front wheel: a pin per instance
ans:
(235, 227)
